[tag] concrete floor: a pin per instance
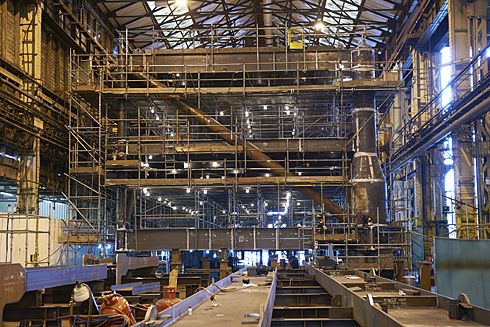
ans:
(234, 305)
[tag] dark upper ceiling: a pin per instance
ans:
(183, 24)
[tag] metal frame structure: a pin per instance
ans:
(219, 159)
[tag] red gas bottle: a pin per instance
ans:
(114, 303)
(169, 298)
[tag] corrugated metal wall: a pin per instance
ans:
(54, 55)
(54, 61)
(46, 208)
(10, 34)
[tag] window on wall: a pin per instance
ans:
(445, 76)
(446, 97)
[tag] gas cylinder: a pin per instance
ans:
(169, 298)
(114, 303)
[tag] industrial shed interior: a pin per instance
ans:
(244, 162)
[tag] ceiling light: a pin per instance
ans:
(298, 203)
(188, 190)
(150, 157)
(159, 199)
(300, 173)
(174, 171)
(180, 3)
(201, 203)
(247, 113)
(178, 74)
(157, 118)
(265, 107)
(207, 176)
(266, 204)
(267, 175)
(319, 25)
(224, 211)
(152, 110)
(145, 190)
(252, 205)
(247, 190)
(214, 164)
(205, 191)
(221, 113)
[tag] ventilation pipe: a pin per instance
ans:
(267, 14)
(368, 180)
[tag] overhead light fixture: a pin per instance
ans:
(298, 203)
(150, 157)
(201, 203)
(224, 211)
(152, 110)
(180, 3)
(247, 190)
(247, 113)
(157, 118)
(215, 164)
(174, 171)
(265, 107)
(205, 191)
(300, 173)
(266, 204)
(207, 176)
(267, 175)
(188, 190)
(221, 113)
(319, 25)
(159, 199)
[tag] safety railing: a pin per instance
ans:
(468, 80)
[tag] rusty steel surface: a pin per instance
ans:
(404, 307)
(12, 285)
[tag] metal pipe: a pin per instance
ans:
(369, 185)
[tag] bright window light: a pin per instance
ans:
(445, 78)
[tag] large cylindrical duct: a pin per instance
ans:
(267, 14)
(368, 180)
